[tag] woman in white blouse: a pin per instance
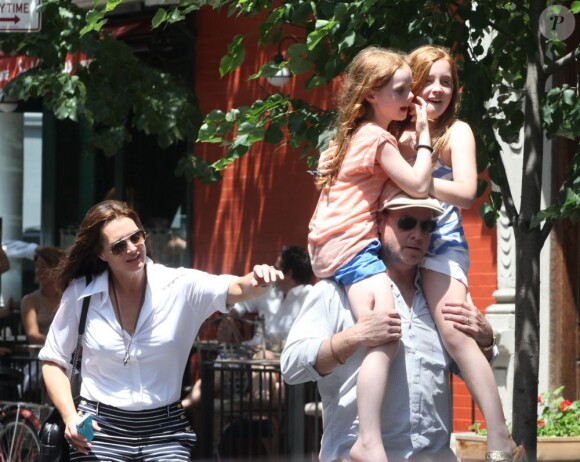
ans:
(141, 324)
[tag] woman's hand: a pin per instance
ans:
(74, 438)
(467, 318)
(265, 276)
(253, 284)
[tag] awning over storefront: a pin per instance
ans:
(11, 66)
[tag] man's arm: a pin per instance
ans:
(372, 329)
(325, 314)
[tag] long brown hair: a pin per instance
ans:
(84, 254)
(371, 69)
(52, 256)
(421, 60)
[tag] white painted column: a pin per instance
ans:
(501, 314)
(32, 171)
(11, 146)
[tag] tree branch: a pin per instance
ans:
(560, 63)
(486, 20)
(545, 231)
(508, 200)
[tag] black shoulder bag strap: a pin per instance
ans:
(82, 324)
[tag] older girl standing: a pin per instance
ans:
(445, 267)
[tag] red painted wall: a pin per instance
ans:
(266, 198)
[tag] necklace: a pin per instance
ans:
(117, 307)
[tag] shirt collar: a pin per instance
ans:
(297, 290)
(100, 283)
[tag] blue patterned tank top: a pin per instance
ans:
(449, 232)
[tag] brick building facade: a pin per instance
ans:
(266, 198)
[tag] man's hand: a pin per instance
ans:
(376, 328)
(372, 329)
(467, 318)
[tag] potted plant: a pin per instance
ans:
(558, 432)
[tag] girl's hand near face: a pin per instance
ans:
(422, 122)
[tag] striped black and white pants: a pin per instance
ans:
(153, 435)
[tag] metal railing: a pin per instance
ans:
(249, 413)
(21, 378)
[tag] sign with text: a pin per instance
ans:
(20, 16)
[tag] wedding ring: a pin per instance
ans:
(467, 320)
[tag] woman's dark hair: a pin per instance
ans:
(52, 256)
(84, 254)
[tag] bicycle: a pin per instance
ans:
(19, 426)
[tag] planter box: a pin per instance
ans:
(472, 448)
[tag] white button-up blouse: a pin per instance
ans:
(177, 302)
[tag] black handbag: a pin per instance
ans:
(53, 447)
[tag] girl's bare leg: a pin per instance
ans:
(475, 369)
(372, 293)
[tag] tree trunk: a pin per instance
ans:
(527, 340)
(528, 246)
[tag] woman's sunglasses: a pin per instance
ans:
(409, 223)
(119, 247)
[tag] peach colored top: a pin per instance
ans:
(344, 221)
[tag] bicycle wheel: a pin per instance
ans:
(19, 442)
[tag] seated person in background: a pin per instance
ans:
(281, 304)
(278, 307)
(39, 307)
(7, 309)
(37, 311)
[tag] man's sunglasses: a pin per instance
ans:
(119, 247)
(409, 223)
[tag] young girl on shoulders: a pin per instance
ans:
(343, 238)
(444, 269)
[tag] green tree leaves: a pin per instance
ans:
(110, 92)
